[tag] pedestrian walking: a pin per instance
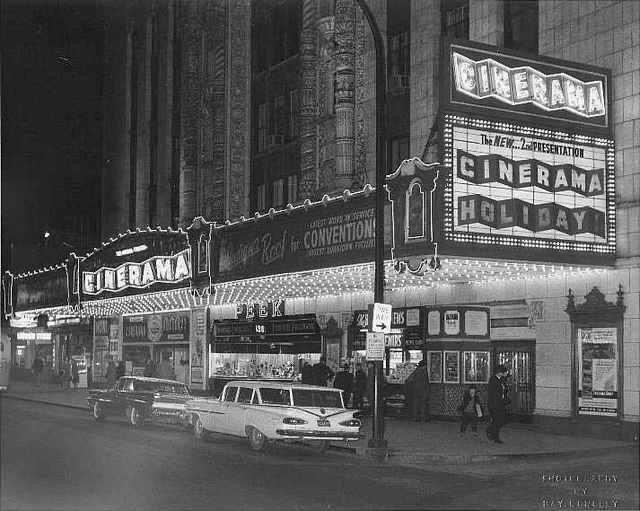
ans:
(111, 374)
(359, 387)
(418, 390)
(471, 410)
(120, 370)
(322, 373)
(36, 367)
(344, 381)
(75, 375)
(307, 373)
(149, 368)
(165, 370)
(65, 374)
(496, 403)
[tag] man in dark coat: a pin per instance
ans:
(344, 381)
(307, 373)
(418, 389)
(496, 404)
(322, 372)
(359, 387)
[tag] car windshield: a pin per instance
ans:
(151, 386)
(317, 398)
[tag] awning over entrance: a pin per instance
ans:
(359, 278)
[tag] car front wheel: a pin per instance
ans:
(98, 412)
(198, 429)
(136, 418)
(257, 439)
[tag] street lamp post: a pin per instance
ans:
(377, 438)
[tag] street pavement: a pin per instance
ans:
(409, 443)
(58, 458)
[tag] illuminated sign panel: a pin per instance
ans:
(159, 269)
(539, 90)
(560, 91)
(528, 187)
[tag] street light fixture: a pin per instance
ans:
(377, 440)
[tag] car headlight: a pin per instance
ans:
(351, 423)
(293, 421)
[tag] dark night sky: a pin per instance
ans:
(51, 122)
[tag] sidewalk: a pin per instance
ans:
(439, 441)
(411, 443)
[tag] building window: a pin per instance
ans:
(399, 61)
(399, 151)
(279, 119)
(521, 25)
(292, 125)
(261, 197)
(292, 188)
(278, 193)
(263, 126)
(455, 18)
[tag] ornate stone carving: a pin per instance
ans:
(308, 60)
(344, 92)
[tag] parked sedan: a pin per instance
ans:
(265, 411)
(141, 399)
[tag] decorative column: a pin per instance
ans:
(215, 197)
(190, 113)
(345, 92)
(238, 93)
(308, 58)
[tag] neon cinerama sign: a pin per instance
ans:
(528, 187)
(159, 269)
(488, 78)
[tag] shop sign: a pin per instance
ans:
(45, 289)
(597, 371)
(466, 321)
(301, 326)
(198, 341)
(265, 310)
(165, 327)
(514, 186)
(401, 317)
(540, 89)
(375, 346)
(341, 232)
(158, 269)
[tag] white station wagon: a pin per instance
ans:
(265, 411)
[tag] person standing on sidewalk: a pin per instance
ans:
(344, 381)
(497, 405)
(36, 367)
(65, 374)
(75, 375)
(322, 373)
(359, 388)
(418, 390)
(111, 374)
(471, 410)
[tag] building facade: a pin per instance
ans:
(259, 117)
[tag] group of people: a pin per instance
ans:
(69, 373)
(352, 385)
(497, 401)
(114, 371)
(417, 392)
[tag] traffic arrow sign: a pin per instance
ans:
(380, 317)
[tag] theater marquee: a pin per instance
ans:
(528, 187)
(528, 156)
